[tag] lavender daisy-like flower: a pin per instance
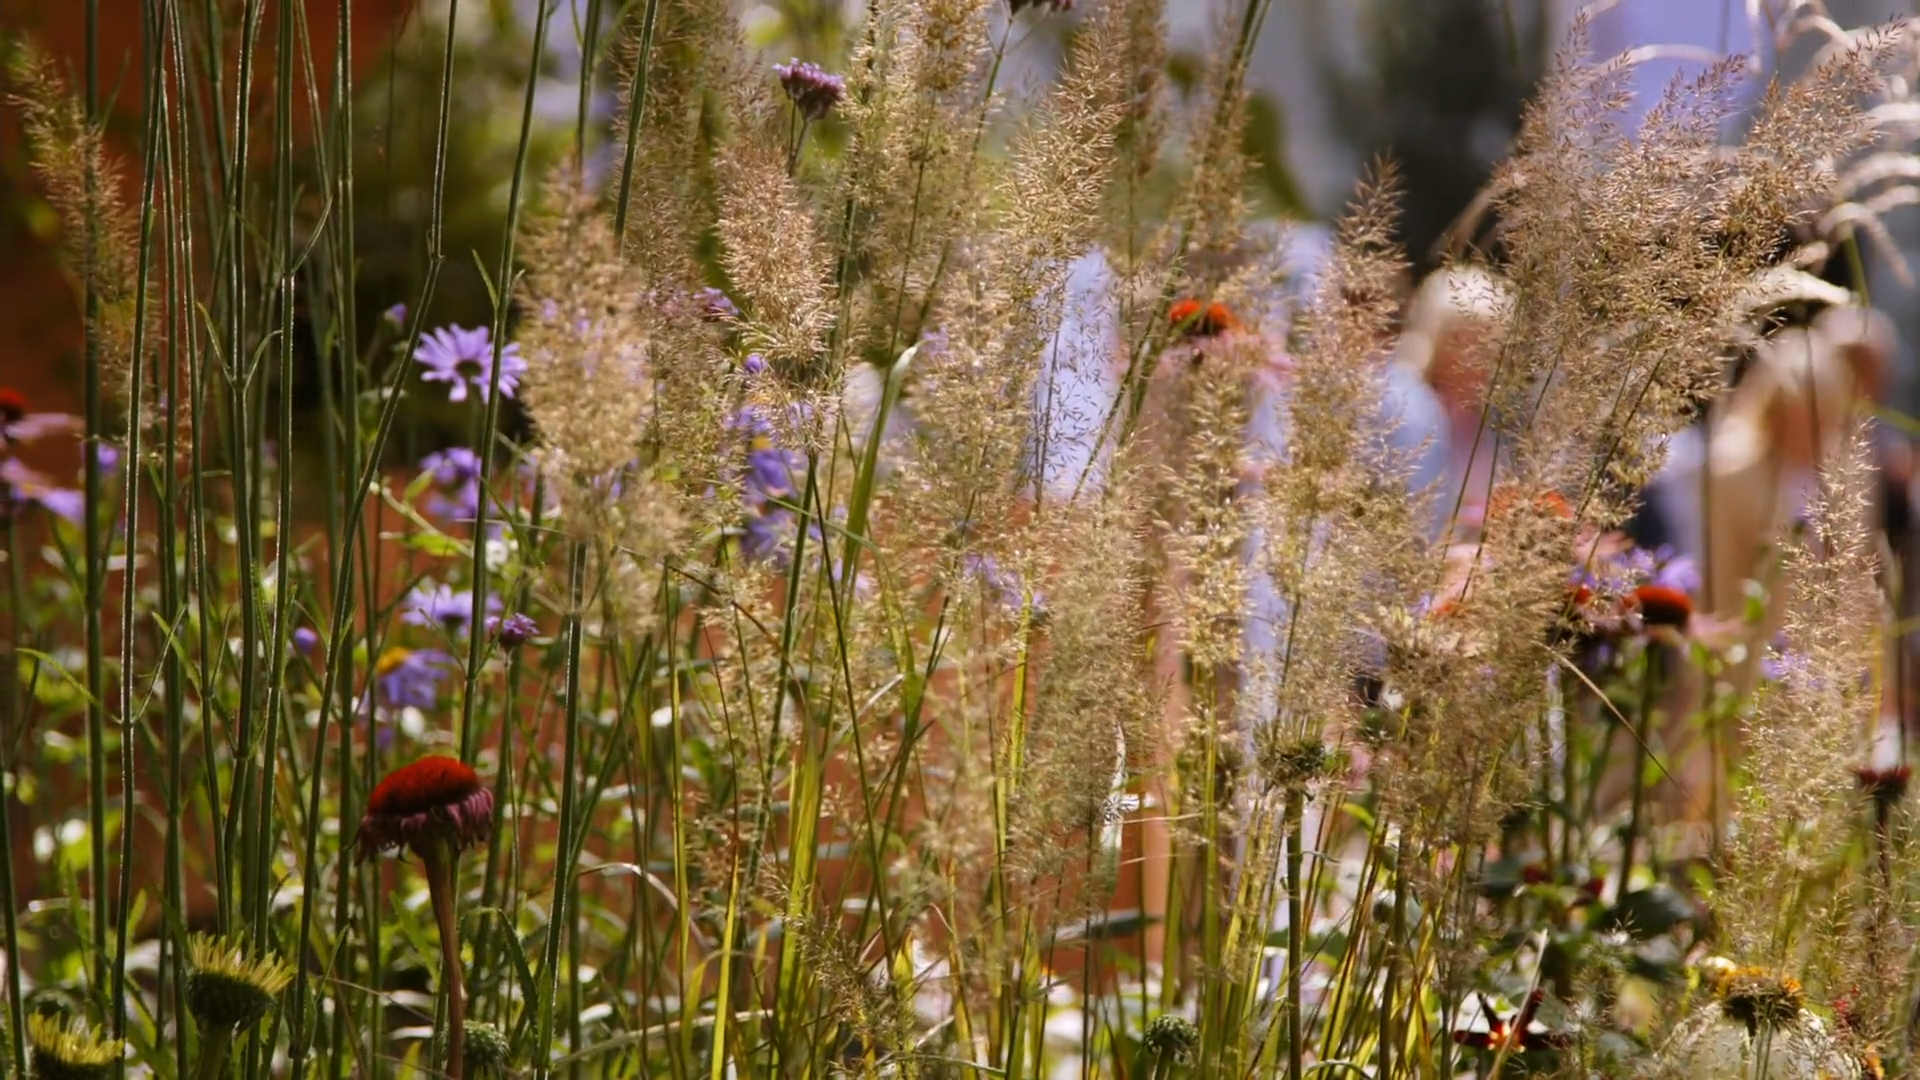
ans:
(812, 89)
(1664, 568)
(463, 358)
(19, 425)
(439, 605)
(410, 677)
(456, 483)
(22, 487)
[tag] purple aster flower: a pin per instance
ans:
(463, 358)
(1002, 583)
(306, 641)
(513, 631)
(456, 483)
(439, 605)
(716, 306)
(21, 486)
(18, 425)
(813, 90)
(410, 677)
(1662, 567)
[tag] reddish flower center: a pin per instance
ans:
(422, 786)
(13, 404)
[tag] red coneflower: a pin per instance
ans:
(433, 802)
(1661, 606)
(1887, 785)
(1197, 320)
(436, 807)
(13, 404)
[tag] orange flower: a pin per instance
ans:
(1197, 320)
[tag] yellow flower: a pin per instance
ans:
(64, 1049)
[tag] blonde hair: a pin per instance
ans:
(1456, 297)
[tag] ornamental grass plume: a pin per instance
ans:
(436, 808)
(229, 992)
(64, 1049)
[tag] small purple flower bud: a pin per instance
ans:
(397, 315)
(305, 640)
(754, 364)
(513, 631)
(812, 89)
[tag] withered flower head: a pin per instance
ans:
(812, 89)
(1197, 320)
(434, 800)
(229, 989)
(1291, 763)
(64, 1049)
(1885, 787)
(1758, 997)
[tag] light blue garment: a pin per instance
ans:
(1417, 427)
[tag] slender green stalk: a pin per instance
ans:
(216, 1045)
(558, 921)
(10, 736)
(1649, 689)
(96, 568)
(1296, 937)
(503, 304)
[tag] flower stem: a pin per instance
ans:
(1649, 687)
(439, 863)
(215, 1044)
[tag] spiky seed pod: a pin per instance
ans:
(1288, 764)
(228, 989)
(488, 1051)
(1171, 1036)
(63, 1049)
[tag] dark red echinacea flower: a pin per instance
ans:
(1661, 606)
(434, 800)
(436, 808)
